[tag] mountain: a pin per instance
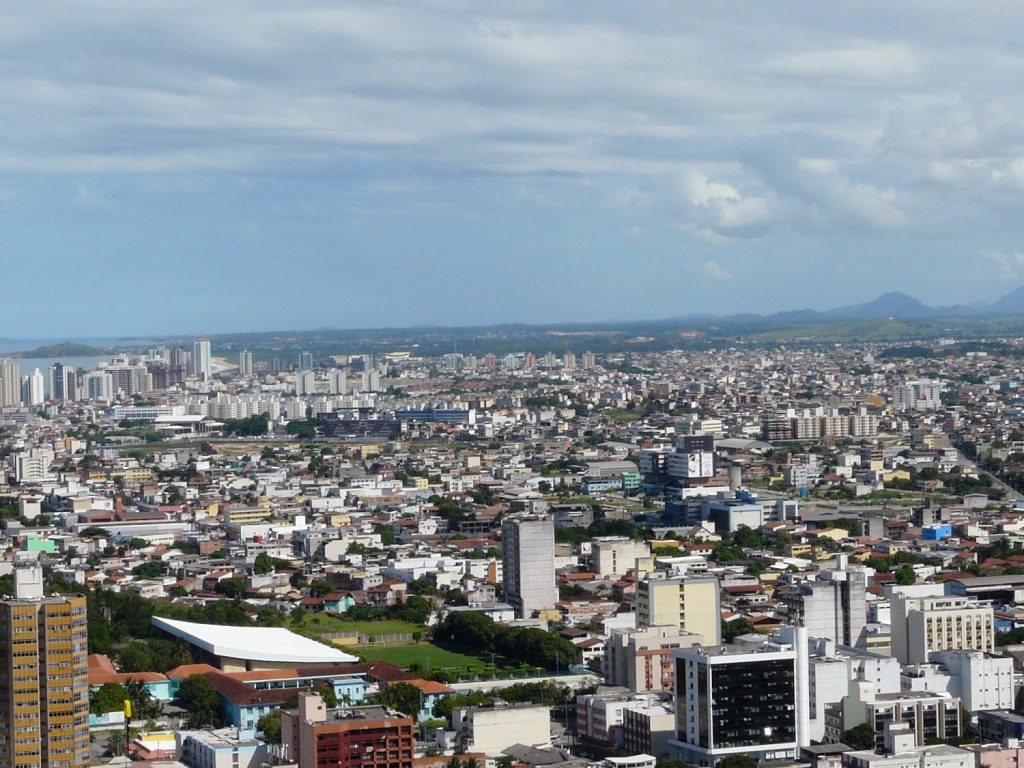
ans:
(894, 304)
(1010, 304)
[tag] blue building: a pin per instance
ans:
(937, 532)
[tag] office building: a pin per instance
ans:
(732, 701)
(528, 557)
(245, 363)
(921, 625)
(44, 693)
(202, 361)
(900, 751)
(355, 737)
(63, 383)
(834, 607)
(305, 361)
(10, 383)
(692, 604)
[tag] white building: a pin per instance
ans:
(921, 625)
(202, 361)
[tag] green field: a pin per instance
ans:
(428, 656)
(322, 623)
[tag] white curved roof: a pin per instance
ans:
(253, 643)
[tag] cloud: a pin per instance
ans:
(714, 271)
(1009, 264)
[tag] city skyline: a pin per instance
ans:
(226, 168)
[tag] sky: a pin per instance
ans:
(205, 167)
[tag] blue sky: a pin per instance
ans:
(191, 167)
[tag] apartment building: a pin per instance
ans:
(44, 693)
(692, 604)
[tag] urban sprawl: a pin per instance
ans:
(777, 556)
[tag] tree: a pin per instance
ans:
(116, 743)
(733, 629)
(143, 704)
(737, 761)
(403, 697)
(135, 657)
(270, 725)
(233, 587)
(198, 696)
(109, 698)
(906, 576)
(860, 737)
(263, 564)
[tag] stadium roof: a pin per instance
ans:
(253, 643)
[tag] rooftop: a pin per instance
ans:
(253, 643)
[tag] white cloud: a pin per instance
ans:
(1009, 264)
(714, 271)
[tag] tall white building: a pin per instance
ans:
(528, 558)
(98, 385)
(305, 383)
(202, 361)
(10, 383)
(245, 363)
(33, 388)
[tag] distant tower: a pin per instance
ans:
(34, 390)
(63, 382)
(10, 383)
(305, 361)
(245, 363)
(202, 363)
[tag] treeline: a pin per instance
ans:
(478, 633)
(252, 426)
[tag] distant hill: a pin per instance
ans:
(1010, 304)
(893, 304)
(65, 349)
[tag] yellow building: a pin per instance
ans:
(692, 604)
(44, 691)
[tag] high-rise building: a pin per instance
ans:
(569, 361)
(834, 607)
(63, 383)
(44, 688)
(337, 382)
(98, 385)
(354, 737)
(528, 563)
(245, 363)
(692, 604)
(10, 383)
(305, 361)
(33, 388)
(202, 362)
(731, 700)
(921, 625)
(589, 360)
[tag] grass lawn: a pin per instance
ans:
(325, 622)
(426, 654)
